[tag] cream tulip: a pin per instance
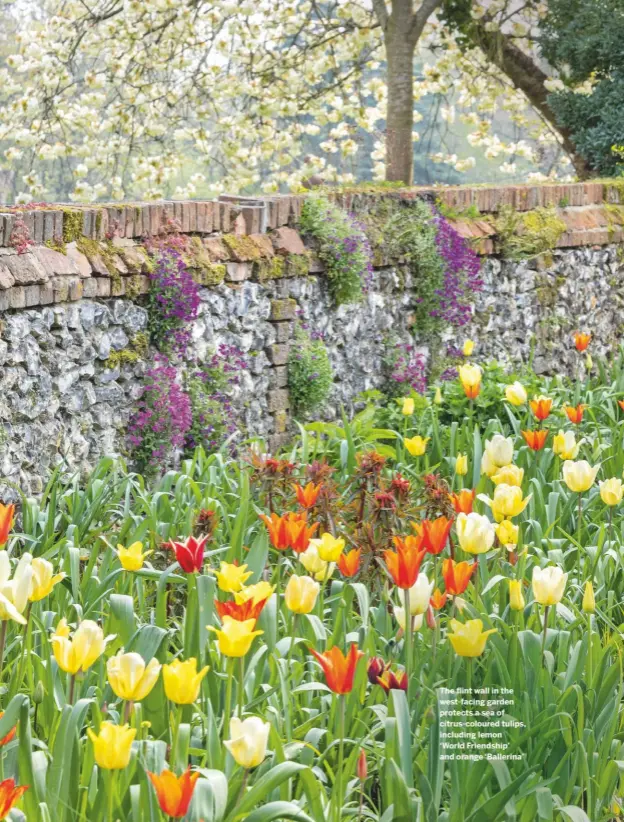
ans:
(399, 615)
(508, 501)
(565, 445)
(248, 741)
(475, 533)
(548, 584)
(516, 394)
(15, 591)
(301, 593)
(579, 476)
(420, 594)
(497, 454)
(508, 474)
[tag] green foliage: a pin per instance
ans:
(410, 233)
(583, 39)
(309, 373)
(522, 235)
(342, 246)
(72, 224)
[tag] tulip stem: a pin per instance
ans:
(174, 736)
(24, 650)
(546, 610)
(339, 797)
(72, 689)
(3, 633)
(590, 661)
(111, 795)
(228, 698)
(241, 690)
(408, 640)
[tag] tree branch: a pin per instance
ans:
(381, 12)
(529, 78)
(419, 20)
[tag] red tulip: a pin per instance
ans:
(189, 554)
(339, 669)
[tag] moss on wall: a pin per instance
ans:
(527, 234)
(72, 224)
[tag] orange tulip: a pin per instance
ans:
(581, 341)
(404, 563)
(11, 734)
(535, 439)
(462, 502)
(299, 534)
(438, 600)
(174, 792)
(349, 563)
(541, 407)
(621, 404)
(339, 669)
(241, 612)
(9, 796)
(435, 534)
(472, 391)
(457, 575)
(7, 513)
(307, 497)
(575, 415)
(278, 530)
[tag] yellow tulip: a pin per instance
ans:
(248, 741)
(325, 573)
(112, 746)
(79, 653)
(300, 594)
(437, 397)
(579, 476)
(257, 592)
(589, 600)
(516, 597)
(475, 533)
(516, 394)
(417, 621)
(133, 557)
(565, 445)
(509, 475)
(231, 578)
(548, 584)
(416, 445)
(507, 502)
(461, 465)
(497, 454)
(611, 491)
(408, 406)
(235, 637)
(43, 579)
(507, 533)
(182, 680)
(468, 348)
(469, 639)
(130, 678)
(329, 548)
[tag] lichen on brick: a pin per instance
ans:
(271, 268)
(242, 248)
(72, 224)
(297, 265)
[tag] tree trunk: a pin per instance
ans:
(400, 110)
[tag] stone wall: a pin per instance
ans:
(73, 282)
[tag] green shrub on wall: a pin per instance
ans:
(342, 246)
(309, 373)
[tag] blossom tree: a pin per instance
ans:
(183, 97)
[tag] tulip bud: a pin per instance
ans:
(468, 348)
(589, 600)
(408, 406)
(431, 618)
(516, 598)
(375, 669)
(461, 465)
(38, 693)
(589, 363)
(362, 767)
(437, 397)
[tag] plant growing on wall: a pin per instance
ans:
(528, 234)
(309, 373)
(173, 301)
(342, 246)
(210, 388)
(159, 427)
